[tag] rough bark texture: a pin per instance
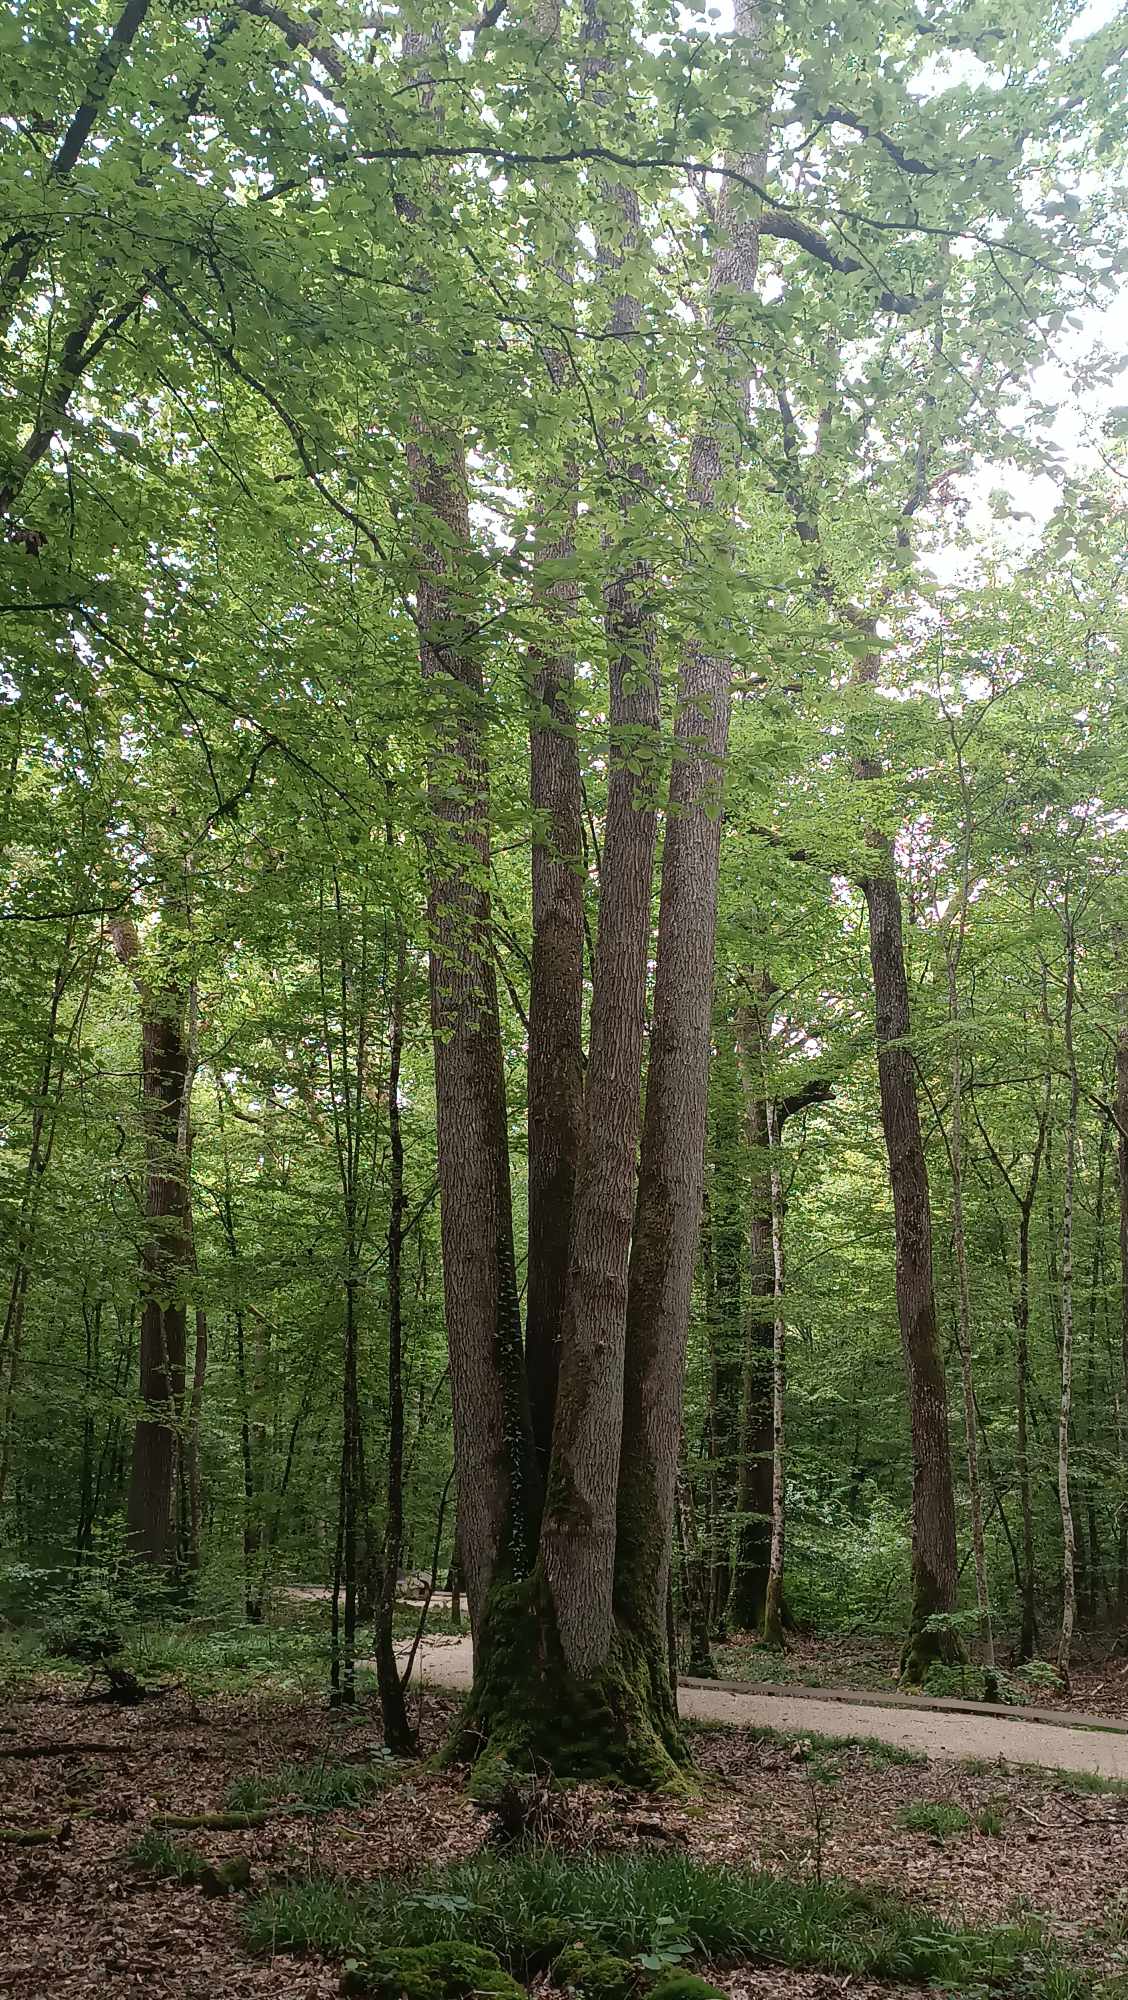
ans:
(555, 1066)
(578, 1534)
(934, 1567)
(671, 1172)
(496, 1504)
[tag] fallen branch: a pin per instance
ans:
(34, 1836)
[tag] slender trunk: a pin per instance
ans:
(1028, 1638)
(1122, 1186)
(1068, 1539)
(935, 1572)
(399, 1737)
(694, 1578)
(723, 1250)
(165, 1260)
(754, 1532)
(963, 1306)
(773, 1602)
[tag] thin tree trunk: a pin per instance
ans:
(963, 1293)
(399, 1737)
(754, 1532)
(1068, 1539)
(773, 1601)
(1122, 1187)
(165, 1260)
(935, 1572)
(723, 1240)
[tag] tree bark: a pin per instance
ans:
(1122, 1187)
(1068, 1539)
(497, 1485)
(668, 1212)
(934, 1565)
(963, 1294)
(399, 1737)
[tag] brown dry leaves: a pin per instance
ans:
(78, 1921)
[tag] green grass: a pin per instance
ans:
(165, 1859)
(316, 1783)
(1051, 1777)
(528, 1907)
(877, 1754)
(939, 1817)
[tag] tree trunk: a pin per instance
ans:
(498, 1492)
(1122, 1184)
(723, 1238)
(773, 1599)
(671, 1172)
(1068, 1541)
(754, 1531)
(963, 1300)
(166, 1256)
(934, 1565)
(555, 1060)
(399, 1737)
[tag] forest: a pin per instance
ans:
(564, 998)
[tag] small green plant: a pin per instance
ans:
(992, 1819)
(314, 1784)
(938, 1817)
(166, 1860)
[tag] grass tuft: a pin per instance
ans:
(939, 1817)
(527, 1908)
(314, 1784)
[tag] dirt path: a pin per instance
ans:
(952, 1733)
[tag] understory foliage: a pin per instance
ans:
(562, 850)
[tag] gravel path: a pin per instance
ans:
(449, 1663)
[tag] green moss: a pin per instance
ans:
(598, 1975)
(529, 1712)
(431, 1972)
(684, 1986)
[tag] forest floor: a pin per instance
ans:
(954, 1732)
(980, 1842)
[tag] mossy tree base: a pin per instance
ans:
(528, 1712)
(928, 1646)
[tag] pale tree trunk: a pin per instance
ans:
(963, 1301)
(1068, 1540)
(497, 1495)
(723, 1237)
(773, 1601)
